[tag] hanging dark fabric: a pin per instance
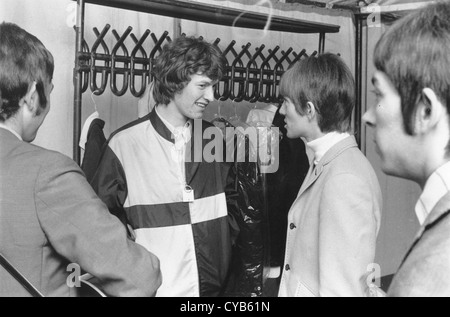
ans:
(251, 251)
(93, 150)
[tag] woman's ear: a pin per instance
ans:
(429, 111)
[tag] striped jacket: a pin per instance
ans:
(143, 185)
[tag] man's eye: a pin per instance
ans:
(377, 94)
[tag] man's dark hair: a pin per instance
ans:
(181, 59)
(328, 83)
(23, 60)
(414, 53)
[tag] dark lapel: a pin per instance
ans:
(439, 213)
(160, 127)
(436, 214)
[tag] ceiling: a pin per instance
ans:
(359, 5)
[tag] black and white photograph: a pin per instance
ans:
(226, 153)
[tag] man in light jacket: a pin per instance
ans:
(334, 222)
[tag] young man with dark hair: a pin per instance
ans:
(412, 134)
(334, 222)
(49, 215)
(175, 204)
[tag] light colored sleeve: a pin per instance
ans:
(347, 236)
(80, 228)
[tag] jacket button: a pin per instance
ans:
(292, 226)
(287, 267)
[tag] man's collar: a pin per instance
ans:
(322, 145)
(165, 128)
(437, 185)
(4, 126)
(160, 127)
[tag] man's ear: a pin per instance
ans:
(429, 111)
(31, 100)
(310, 110)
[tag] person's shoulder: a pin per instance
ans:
(43, 160)
(127, 129)
(353, 165)
(358, 160)
(425, 270)
(349, 156)
(46, 156)
(435, 240)
(436, 231)
(54, 159)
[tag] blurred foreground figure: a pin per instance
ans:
(412, 135)
(49, 215)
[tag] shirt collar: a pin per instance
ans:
(4, 126)
(321, 145)
(435, 188)
(166, 123)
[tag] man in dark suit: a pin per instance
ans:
(412, 133)
(50, 218)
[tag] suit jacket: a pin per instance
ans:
(425, 271)
(333, 226)
(50, 217)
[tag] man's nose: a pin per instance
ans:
(369, 117)
(283, 110)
